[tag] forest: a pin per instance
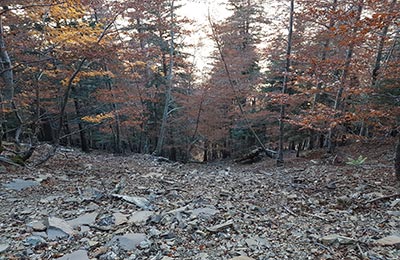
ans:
(119, 76)
(200, 130)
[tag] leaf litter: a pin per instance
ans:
(98, 206)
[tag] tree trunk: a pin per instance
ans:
(161, 137)
(279, 159)
(117, 135)
(397, 158)
(6, 74)
(343, 79)
(379, 53)
(6, 71)
(82, 131)
(325, 54)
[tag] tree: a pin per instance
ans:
(279, 159)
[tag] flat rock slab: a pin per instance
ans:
(4, 247)
(37, 225)
(138, 201)
(20, 184)
(85, 219)
(204, 212)
(34, 240)
(219, 227)
(58, 228)
(130, 241)
(334, 238)
(120, 218)
(140, 217)
(77, 255)
(242, 258)
(389, 241)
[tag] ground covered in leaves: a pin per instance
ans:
(99, 206)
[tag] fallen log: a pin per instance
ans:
(255, 155)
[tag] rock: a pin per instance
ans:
(217, 228)
(34, 240)
(37, 225)
(202, 256)
(129, 241)
(140, 217)
(120, 218)
(106, 221)
(85, 219)
(4, 247)
(138, 201)
(20, 184)
(334, 238)
(58, 228)
(77, 255)
(242, 258)
(144, 244)
(389, 240)
(394, 213)
(204, 212)
(109, 256)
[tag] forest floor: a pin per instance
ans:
(98, 206)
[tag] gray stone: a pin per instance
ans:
(389, 240)
(129, 241)
(204, 212)
(4, 247)
(334, 238)
(220, 226)
(242, 258)
(58, 228)
(20, 184)
(120, 219)
(138, 201)
(108, 256)
(140, 217)
(34, 240)
(77, 255)
(85, 219)
(37, 225)
(40, 234)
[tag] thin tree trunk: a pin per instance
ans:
(6, 71)
(279, 159)
(6, 74)
(117, 139)
(232, 85)
(345, 72)
(161, 137)
(379, 53)
(324, 54)
(82, 131)
(397, 158)
(71, 79)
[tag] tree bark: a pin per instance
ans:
(279, 159)
(168, 93)
(82, 131)
(71, 79)
(343, 79)
(397, 158)
(324, 54)
(379, 53)
(6, 71)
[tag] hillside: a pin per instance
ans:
(99, 206)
